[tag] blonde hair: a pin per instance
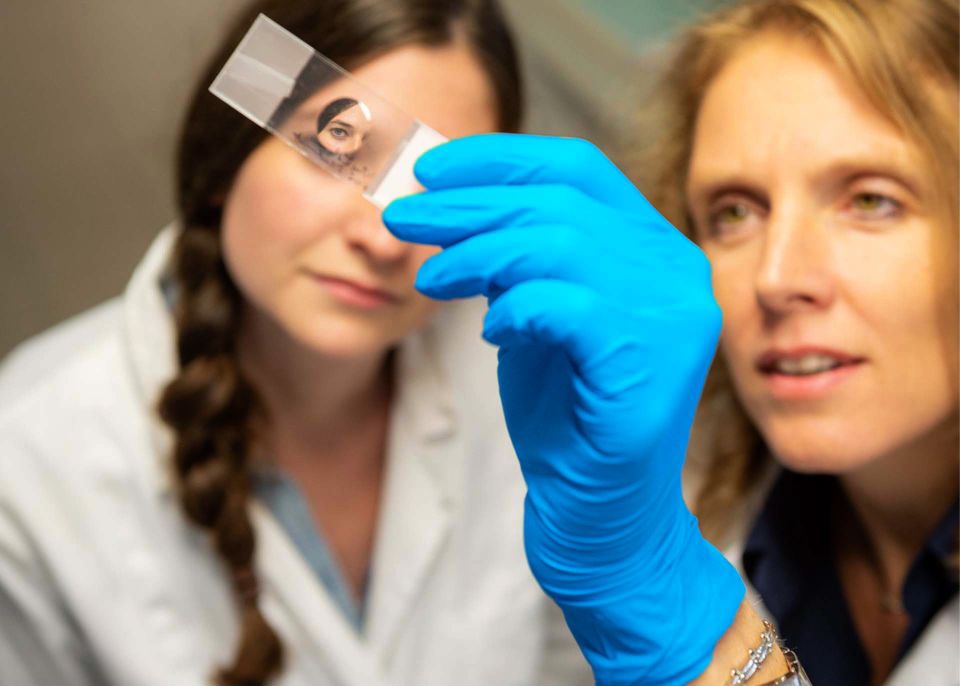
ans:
(893, 51)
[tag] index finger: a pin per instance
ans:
(518, 159)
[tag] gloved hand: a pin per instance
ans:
(606, 325)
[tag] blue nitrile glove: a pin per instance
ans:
(606, 325)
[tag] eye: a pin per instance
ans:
(875, 206)
(731, 218)
(339, 132)
(732, 213)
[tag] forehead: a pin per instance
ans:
(779, 102)
(445, 86)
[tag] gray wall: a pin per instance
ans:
(93, 92)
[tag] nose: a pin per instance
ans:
(365, 232)
(795, 271)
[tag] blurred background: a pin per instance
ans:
(93, 91)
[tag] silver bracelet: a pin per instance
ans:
(756, 656)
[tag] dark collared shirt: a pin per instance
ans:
(789, 559)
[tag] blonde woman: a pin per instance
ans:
(811, 152)
(819, 174)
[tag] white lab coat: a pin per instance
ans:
(933, 660)
(102, 580)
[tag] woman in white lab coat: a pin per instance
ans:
(271, 460)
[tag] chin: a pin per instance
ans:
(836, 462)
(346, 345)
(811, 447)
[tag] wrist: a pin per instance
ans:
(661, 630)
(733, 647)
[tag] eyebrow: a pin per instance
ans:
(842, 172)
(853, 169)
(719, 185)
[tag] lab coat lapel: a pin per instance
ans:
(149, 336)
(424, 463)
(331, 653)
(933, 660)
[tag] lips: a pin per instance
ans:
(355, 293)
(804, 361)
(806, 372)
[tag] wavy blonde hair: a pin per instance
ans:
(898, 53)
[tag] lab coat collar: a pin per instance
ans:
(149, 336)
(317, 635)
(932, 661)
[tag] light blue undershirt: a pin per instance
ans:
(286, 503)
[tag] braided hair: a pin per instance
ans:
(210, 406)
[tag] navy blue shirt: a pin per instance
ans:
(789, 559)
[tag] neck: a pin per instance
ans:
(315, 404)
(899, 499)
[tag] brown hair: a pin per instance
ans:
(210, 406)
(892, 50)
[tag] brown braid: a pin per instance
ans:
(211, 408)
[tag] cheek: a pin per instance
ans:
(914, 318)
(422, 307)
(276, 207)
(420, 254)
(734, 293)
(419, 308)
(271, 202)
(904, 291)
(420, 313)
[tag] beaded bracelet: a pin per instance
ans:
(756, 656)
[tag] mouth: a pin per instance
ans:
(806, 373)
(804, 363)
(354, 293)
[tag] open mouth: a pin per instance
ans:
(809, 364)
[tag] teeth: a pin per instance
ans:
(808, 364)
